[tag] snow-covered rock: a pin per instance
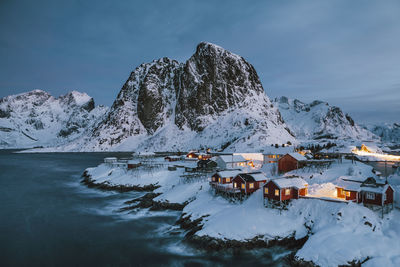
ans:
(387, 132)
(318, 120)
(38, 119)
(215, 99)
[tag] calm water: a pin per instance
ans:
(48, 218)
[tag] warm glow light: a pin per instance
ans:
(377, 155)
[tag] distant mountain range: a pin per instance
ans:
(214, 99)
(36, 118)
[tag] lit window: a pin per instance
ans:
(219, 180)
(276, 192)
(287, 192)
(266, 190)
(214, 179)
(228, 180)
(370, 195)
(347, 193)
(235, 185)
(251, 185)
(243, 186)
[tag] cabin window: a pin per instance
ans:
(219, 180)
(276, 192)
(235, 185)
(347, 193)
(251, 185)
(370, 195)
(228, 180)
(266, 190)
(243, 186)
(287, 192)
(384, 197)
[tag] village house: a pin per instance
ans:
(192, 155)
(247, 183)
(369, 192)
(110, 160)
(284, 189)
(133, 164)
(222, 182)
(291, 161)
(272, 154)
(206, 165)
(203, 156)
(172, 158)
(230, 161)
(224, 177)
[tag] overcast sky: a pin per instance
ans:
(343, 52)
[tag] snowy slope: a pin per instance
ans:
(319, 120)
(215, 99)
(338, 232)
(38, 119)
(387, 132)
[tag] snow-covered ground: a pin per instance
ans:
(338, 232)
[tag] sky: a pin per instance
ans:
(344, 52)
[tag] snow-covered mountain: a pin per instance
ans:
(215, 99)
(389, 133)
(318, 120)
(38, 119)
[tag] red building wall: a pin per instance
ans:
(271, 191)
(303, 191)
(247, 190)
(287, 163)
(376, 201)
(389, 196)
(341, 194)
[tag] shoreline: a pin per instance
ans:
(191, 227)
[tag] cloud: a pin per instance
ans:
(344, 52)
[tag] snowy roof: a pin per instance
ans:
(378, 189)
(253, 177)
(290, 182)
(228, 173)
(358, 186)
(297, 156)
(278, 150)
(232, 158)
(349, 185)
(111, 158)
(259, 176)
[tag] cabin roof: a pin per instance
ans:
(232, 158)
(253, 177)
(290, 182)
(359, 186)
(111, 158)
(272, 150)
(297, 156)
(232, 173)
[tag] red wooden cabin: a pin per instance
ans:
(224, 177)
(291, 161)
(192, 155)
(172, 158)
(283, 189)
(247, 183)
(368, 192)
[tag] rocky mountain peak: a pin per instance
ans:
(211, 82)
(165, 95)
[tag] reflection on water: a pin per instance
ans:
(49, 219)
